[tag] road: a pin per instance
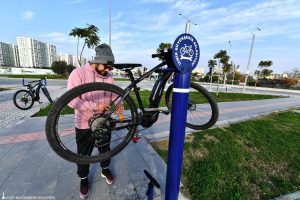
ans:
(148, 84)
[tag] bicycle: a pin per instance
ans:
(202, 112)
(24, 99)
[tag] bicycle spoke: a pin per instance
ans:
(106, 131)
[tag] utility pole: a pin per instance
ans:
(249, 59)
(110, 23)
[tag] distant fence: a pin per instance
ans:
(23, 70)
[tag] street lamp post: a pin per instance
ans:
(249, 59)
(110, 23)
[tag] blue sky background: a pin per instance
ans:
(138, 26)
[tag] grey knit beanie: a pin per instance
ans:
(104, 55)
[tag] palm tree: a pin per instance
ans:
(223, 59)
(211, 66)
(263, 65)
(89, 34)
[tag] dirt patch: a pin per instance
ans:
(210, 138)
(162, 145)
(198, 153)
(189, 138)
(248, 146)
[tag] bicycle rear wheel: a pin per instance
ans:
(202, 111)
(62, 120)
(23, 99)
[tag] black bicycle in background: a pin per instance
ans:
(60, 125)
(24, 99)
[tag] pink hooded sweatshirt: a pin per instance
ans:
(85, 105)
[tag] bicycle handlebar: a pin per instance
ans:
(35, 81)
(155, 55)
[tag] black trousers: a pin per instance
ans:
(85, 146)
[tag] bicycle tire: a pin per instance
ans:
(205, 95)
(53, 117)
(46, 93)
(16, 102)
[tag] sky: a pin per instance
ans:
(139, 26)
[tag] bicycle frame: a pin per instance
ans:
(157, 89)
(38, 86)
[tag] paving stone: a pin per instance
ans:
(67, 187)
(123, 181)
(99, 190)
(14, 157)
(135, 164)
(45, 180)
(26, 171)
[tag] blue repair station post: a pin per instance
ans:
(185, 53)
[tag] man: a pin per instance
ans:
(95, 71)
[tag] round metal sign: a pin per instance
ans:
(185, 53)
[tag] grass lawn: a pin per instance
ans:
(222, 97)
(256, 159)
(3, 89)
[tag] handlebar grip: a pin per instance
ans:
(155, 55)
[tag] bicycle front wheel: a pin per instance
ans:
(105, 131)
(202, 110)
(23, 99)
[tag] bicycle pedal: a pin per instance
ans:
(40, 102)
(135, 139)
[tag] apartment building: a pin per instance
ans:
(9, 55)
(34, 53)
(67, 58)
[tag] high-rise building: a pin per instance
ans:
(8, 55)
(33, 53)
(76, 63)
(51, 54)
(67, 58)
(16, 55)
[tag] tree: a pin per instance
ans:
(211, 66)
(296, 72)
(223, 59)
(59, 67)
(263, 65)
(266, 72)
(89, 34)
(70, 68)
(163, 47)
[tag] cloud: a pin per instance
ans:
(74, 2)
(157, 1)
(188, 6)
(28, 15)
(58, 37)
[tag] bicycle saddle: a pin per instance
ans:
(126, 65)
